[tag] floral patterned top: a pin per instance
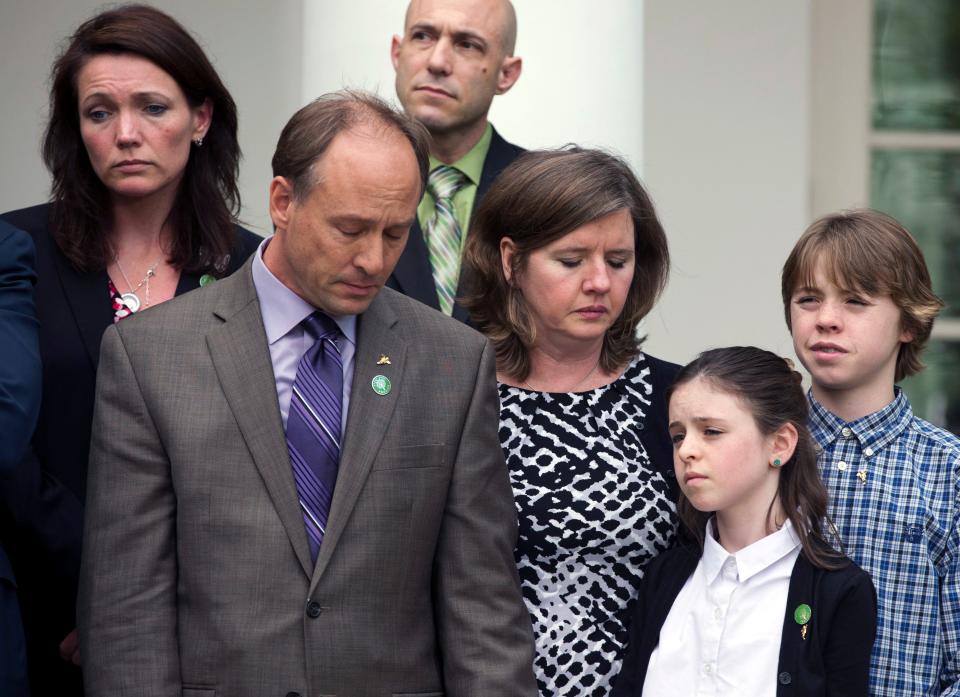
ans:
(120, 310)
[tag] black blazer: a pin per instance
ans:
(41, 515)
(413, 275)
(833, 660)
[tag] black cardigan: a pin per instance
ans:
(834, 659)
(41, 514)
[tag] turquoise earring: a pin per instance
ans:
(776, 463)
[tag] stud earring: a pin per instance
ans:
(776, 463)
(198, 141)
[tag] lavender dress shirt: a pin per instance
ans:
(282, 311)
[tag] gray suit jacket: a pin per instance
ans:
(196, 577)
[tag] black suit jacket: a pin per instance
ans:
(834, 659)
(41, 516)
(413, 275)
(19, 402)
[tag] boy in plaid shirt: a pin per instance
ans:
(859, 304)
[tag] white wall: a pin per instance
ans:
(255, 47)
(727, 160)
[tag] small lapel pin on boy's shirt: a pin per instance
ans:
(384, 359)
(862, 475)
(381, 385)
(802, 616)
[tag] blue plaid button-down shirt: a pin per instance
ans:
(893, 481)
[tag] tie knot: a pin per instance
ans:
(445, 181)
(320, 326)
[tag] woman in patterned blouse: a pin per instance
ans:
(564, 259)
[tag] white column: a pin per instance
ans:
(727, 159)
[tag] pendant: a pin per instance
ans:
(131, 301)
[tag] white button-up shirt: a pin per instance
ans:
(722, 635)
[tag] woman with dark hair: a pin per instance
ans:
(142, 148)
(565, 256)
(761, 604)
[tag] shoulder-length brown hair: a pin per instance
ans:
(204, 213)
(772, 391)
(541, 197)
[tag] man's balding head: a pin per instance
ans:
(453, 57)
(502, 10)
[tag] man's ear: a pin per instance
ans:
(509, 73)
(395, 51)
(508, 251)
(281, 202)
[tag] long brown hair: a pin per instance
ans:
(204, 213)
(771, 390)
(541, 197)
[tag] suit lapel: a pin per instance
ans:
(88, 297)
(413, 274)
(500, 154)
(241, 357)
(368, 417)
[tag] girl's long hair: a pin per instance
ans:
(772, 391)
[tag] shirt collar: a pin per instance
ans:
(752, 559)
(282, 309)
(874, 430)
(471, 164)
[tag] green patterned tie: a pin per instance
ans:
(443, 233)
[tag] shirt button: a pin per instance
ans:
(842, 466)
(717, 613)
(846, 432)
(868, 452)
(707, 668)
(785, 678)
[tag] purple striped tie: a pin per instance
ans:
(313, 425)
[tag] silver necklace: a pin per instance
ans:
(574, 388)
(130, 298)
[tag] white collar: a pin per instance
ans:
(753, 558)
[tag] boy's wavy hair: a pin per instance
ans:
(868, 252)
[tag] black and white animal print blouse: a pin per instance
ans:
(592, 512)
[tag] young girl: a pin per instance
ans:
(760, 605)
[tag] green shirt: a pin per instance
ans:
(471, 165)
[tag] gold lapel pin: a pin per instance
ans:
(862, 475)
(384, 359)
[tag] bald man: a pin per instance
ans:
(453, 58)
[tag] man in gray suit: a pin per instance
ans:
(217, 560)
